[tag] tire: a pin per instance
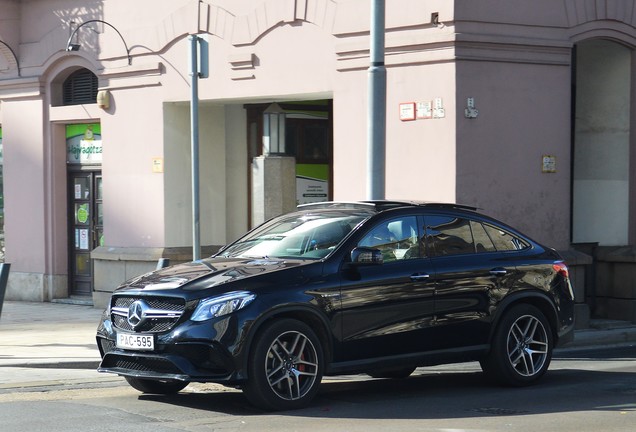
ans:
(285, 366)
(521, 349)
(156, 386)
(392, 373)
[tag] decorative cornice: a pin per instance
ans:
(20, 88)
(580, 12)
(247, 29)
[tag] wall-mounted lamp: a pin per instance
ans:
(274, 130)
(4, 48)
(70, 46)
(103, 99)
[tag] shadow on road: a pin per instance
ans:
(441, 394)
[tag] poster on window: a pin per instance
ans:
(312, 183)
(81, 238)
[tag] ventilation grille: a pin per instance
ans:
(80, 88)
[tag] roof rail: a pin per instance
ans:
(337, 205)
(379, 205)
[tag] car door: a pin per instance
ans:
(470, 277)
(388, 308)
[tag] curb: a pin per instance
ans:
(599, 339)
(71, 364)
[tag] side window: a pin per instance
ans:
(396, 238)
(483, 243)
(503, 240)
(448, 235)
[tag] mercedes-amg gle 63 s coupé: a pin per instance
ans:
(376, 287)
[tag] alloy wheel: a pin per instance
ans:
(527, 345)
(291, 365)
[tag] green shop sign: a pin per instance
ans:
(84, 144)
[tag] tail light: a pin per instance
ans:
(562, 269)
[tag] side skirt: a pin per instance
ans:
(431, 358)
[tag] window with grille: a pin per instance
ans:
(80, 88)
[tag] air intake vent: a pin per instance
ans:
(80, 88)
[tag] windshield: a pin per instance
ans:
(308, 236)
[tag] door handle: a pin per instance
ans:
(420, 276)
(498, 271)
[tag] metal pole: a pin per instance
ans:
(194, 130)
(4, 278)
(376, 122)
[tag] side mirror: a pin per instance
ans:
(366, 256)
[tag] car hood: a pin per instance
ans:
(207, 273)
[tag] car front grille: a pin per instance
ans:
(127, 365)
(145, 365)
(157, 314)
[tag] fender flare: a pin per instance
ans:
(540, 299)
(302, 312)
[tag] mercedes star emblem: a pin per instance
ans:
(137, 313)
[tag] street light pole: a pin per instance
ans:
(376, 121)
(194, 144)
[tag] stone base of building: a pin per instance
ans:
(36, 287)
(614, 294)
(112, 265)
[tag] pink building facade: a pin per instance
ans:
(523, 109)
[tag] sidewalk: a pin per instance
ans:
(43, 341)
(48, 344)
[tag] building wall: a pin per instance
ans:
(499, 157)
(513, 59)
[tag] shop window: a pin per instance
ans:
(308, 140)
(80, 88)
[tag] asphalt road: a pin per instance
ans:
(591, 390)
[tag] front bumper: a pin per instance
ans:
(190, 352)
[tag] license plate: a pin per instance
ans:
(135, 341)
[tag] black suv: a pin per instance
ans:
(377, 287)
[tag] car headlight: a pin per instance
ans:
(225, 304)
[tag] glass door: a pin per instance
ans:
(86, 228)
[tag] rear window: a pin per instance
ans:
(503, 240)
(450, 235)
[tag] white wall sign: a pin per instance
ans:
(407, 111)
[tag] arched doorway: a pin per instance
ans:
(601, 151)
(84, 182)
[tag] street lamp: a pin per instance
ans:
(274, 130)
(70, 46)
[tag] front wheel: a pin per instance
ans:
(285, 366)
(521, 349)
(163, 387)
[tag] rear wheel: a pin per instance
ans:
(521, 350)
(285, 366)
(156, 386)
